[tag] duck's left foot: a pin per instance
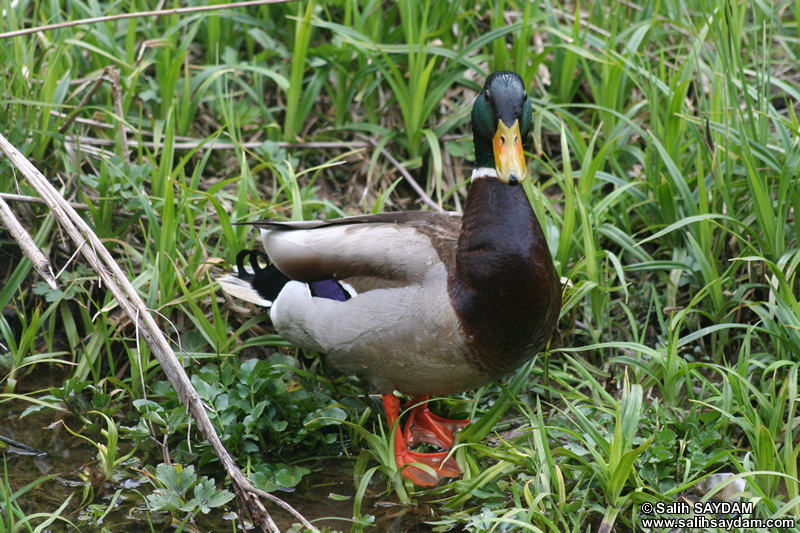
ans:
(442, 465)
(424, 426)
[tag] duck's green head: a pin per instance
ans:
(501, 121)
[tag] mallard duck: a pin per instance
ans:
(421, 302)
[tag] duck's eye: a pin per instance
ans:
(487, 95)
(503, 139)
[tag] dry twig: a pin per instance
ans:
(29, 248)
(35, 200)
(219, 145)
(116, 97)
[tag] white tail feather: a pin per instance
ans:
(241, 289)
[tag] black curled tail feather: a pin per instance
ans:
(267, 281)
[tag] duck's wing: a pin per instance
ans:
(365, 252)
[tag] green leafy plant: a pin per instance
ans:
(180, 489)
(107, 453)
(263, 409)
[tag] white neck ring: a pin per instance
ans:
(483, 172)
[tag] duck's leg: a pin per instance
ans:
(424, 426)
(444, 467)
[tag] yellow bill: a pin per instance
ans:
(509, 158)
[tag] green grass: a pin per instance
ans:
(667, 156)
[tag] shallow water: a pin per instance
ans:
(73, 461)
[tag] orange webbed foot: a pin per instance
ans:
(442, 465)
(423, 426)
